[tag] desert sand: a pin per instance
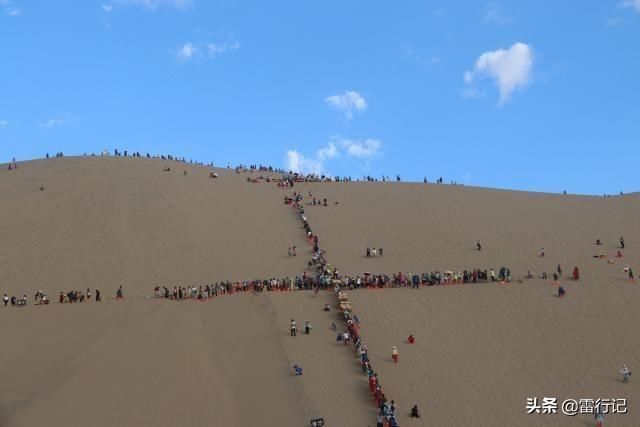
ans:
(481, 349)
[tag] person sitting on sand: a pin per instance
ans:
(297, 370)
(394, 354)
(561, 291)
(411, 339)
(414, 412)
(598, 242)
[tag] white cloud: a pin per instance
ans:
(631, 4)
(4, 123)
(216, 49)
(107, 8)
(51, 123)
(12, 11)
(361, 149)
(296, 162)
(186, 51)
(328, 152)
(511, 68)
(190, 51)
(347, 103)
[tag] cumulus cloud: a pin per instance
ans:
(361, 150)
(186, 52)
(297, 162)
(4, 123)
(631, 4)
(51, 123)
(107, 8)
(511, 69)
(347, 103)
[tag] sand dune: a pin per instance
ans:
(481, 349)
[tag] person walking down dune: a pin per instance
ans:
(394, 354)
(626, 373)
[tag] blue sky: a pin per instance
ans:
(529, 95)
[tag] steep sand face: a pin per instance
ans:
(106, 222)
(482, 350)
(146, 363)
(435, 227)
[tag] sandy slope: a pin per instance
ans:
(435, 227)
(142, 362)
(481, 351)
(103, 222)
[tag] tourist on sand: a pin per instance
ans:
(394, 354)
(411, 339)
(307, 327)
(289, 251)
(559, 270)
(326, 308)
(626, 373)
(379, 251)
(88, 294)
(5, 300)
(98, 298)
(555, 277)
(561, 291)
(119, 293)
(493, 275)
(345, 338)
(542, 252)
(293, 328)
(478, 245)
(576, 273)
(380, 420)
(297, 370)
(622, 243)
(544, 275)
(414, 412)
(598, 242)
(293, 251)
(630, 274)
